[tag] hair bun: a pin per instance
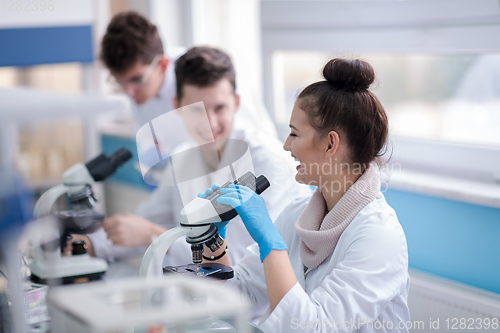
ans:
(349, 74)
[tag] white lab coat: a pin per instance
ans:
(364, 279)
(163, 207)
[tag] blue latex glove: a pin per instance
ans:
(221, 226)
(252, 209)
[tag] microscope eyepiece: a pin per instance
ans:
(261, 184)
(120, 156)
(102, 167)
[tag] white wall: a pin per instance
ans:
(233, 26)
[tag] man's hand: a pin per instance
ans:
(127, 229)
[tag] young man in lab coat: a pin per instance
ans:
(143, 68)
(207, 75)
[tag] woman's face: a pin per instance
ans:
(305, 149)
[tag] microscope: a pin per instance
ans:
(197, 224)
(48, 263)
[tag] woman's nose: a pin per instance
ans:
(286, 145)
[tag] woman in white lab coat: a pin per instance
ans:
(336, 261)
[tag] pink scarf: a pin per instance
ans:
(320, 230)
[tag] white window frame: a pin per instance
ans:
(431, 27)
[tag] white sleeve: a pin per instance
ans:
(372, 273)
(249, 275)
(249, 278)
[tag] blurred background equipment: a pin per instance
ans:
(171, 304)
(17, 194)
(16, 205)
(48, 261)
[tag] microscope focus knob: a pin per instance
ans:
(79, 247)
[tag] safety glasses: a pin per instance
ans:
(137, 82)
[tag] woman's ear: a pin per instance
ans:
(332, 144)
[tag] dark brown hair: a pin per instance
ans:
(129, 38)
(203, 67)
(344, 104)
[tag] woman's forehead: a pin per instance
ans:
(298, 117)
